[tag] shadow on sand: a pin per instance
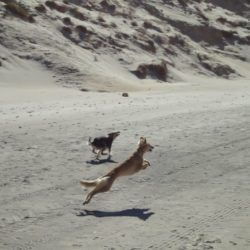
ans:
(142, 214)
(97, 162)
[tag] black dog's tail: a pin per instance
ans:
(89, 141)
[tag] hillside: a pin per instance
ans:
(105, 45)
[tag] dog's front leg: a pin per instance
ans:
(109, 154)
(145, 164)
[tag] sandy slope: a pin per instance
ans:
(96, 45)
(194, 196)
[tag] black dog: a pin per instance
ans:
(102, 143)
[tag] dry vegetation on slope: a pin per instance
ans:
(84, 41)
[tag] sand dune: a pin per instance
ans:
(99, 45)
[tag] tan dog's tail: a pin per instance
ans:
(100, 182)
(89, 183)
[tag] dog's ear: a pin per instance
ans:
(142, 140)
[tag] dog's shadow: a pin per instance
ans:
(101, 161)
(141, 214)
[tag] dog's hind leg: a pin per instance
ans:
(103, 186)
(103, 152)
(88, 198)
(98, 154)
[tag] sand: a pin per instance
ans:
(194, 196)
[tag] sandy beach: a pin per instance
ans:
(194, 196)
(64, 67)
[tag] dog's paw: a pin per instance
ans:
(147, 163)
(84, 203)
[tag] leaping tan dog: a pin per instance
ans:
(132, 165)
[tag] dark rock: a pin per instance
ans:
(157, 71)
